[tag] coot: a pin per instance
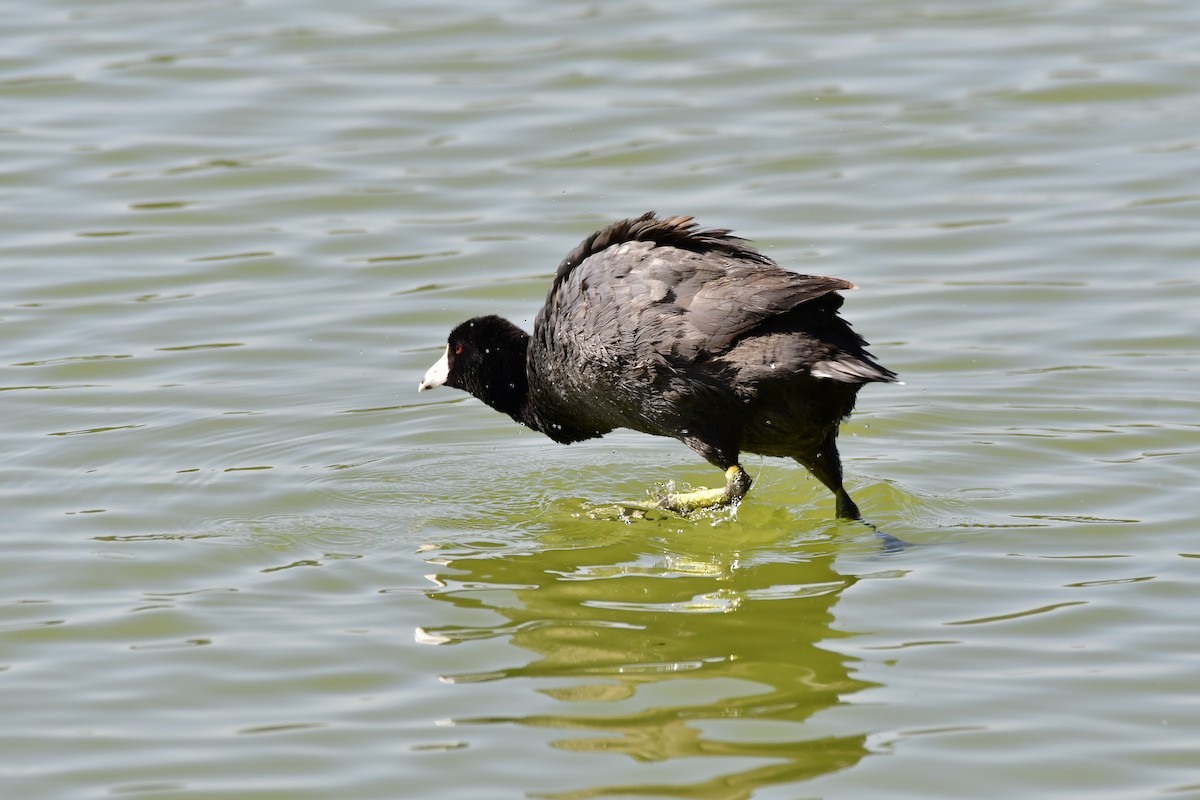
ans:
(657, 325)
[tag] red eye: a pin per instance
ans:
(458, 349)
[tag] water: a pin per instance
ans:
(245, 559)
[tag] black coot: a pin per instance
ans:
(657, 325)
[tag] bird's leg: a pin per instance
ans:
(737, 483)
(826, 465)
(845, 507)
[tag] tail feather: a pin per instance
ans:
(853, 370)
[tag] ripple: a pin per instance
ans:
(106, 429)
(1019, 614)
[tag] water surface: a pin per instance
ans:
(245, 559)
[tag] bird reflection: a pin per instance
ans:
(661, 654)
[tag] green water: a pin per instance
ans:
(244, 558)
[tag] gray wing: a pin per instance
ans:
(637, 302)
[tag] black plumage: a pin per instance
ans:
(659, 326)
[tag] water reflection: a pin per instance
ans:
(663, 655)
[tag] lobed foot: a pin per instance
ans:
(737, 483)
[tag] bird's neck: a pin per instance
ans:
(507, 389)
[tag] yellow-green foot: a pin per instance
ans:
(687, 502)
(737, 483)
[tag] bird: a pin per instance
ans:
(657, 325)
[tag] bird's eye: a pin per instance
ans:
(458, 349)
